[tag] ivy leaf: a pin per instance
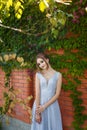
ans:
(55, 32)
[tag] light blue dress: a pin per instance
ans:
(51, 117)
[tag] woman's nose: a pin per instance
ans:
(41, 65)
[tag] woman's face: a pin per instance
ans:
(42, 64)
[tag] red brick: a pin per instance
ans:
(85, 125)
(68, 128)
(84, 103)
(53, 51)
(83, 81)
(84, 95)
(85, 73)
(67, 121)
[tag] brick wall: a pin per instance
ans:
(66, 109)
(1, 86)
(66, 106)
(20, 79)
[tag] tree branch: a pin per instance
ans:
(22, 31)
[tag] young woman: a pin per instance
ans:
(46, 111)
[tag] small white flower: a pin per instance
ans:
(12, 56)
(86, 9)
(20, 59)
(0, 21)
(6, 57)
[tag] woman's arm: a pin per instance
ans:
(37, 91)
(54, 98)
(37, 98)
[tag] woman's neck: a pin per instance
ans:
(50, 69)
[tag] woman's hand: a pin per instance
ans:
(38, 118)
(40, 109)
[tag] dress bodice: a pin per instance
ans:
(47, 87)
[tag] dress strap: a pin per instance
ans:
(58, 74)
(38, 75)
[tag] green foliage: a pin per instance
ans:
(6, 6)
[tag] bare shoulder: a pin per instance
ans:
(37, 75)
(37, 79)
(59, 75)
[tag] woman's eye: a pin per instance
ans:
(41, 61)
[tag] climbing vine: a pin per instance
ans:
(8, 62)
(75, 69)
